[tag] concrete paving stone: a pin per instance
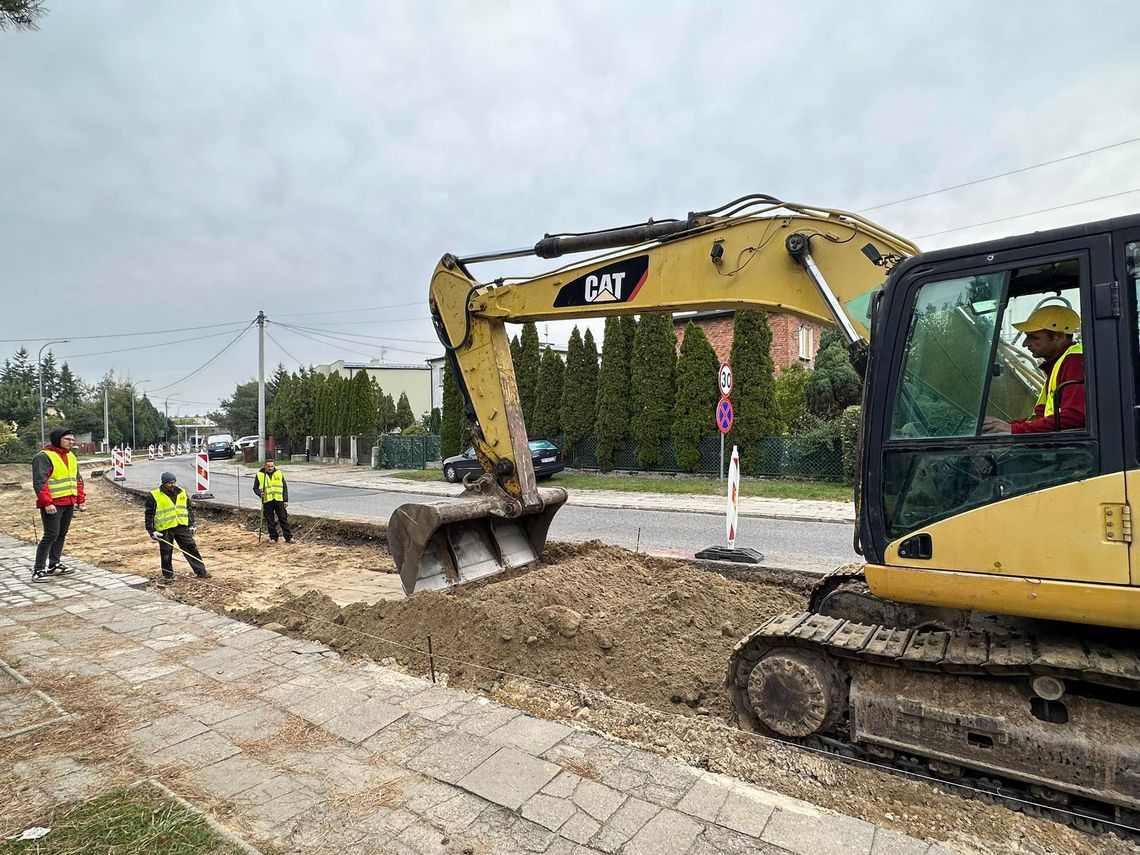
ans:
(452, 757)
(386, 821)
(705, 799)
(653, 778)
(580, 827)
(598, 800)
(937, 849)
(270, 790)
(142, 673)
(422, 838)
(624, 824)
(292, 690)
(326, 704)
(359, 724)
(533, 735)
(227, 778)
(887, 842)
(509, 777)
(436, 712)
(167, 730)
(423, 794)
(172, 642)
(529, 836)
(548, 811)
(745, 811)
(563, 785)
(825, 834)
(252, 726)
(279, 817)
(433, 696)
(458, 812)
(202, 750)
(405, 738)
(715, 840)
(668, 832)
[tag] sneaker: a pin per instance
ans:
(272, 540)
(288, 540)
(205, 574)
(60, 570)
(41, 575)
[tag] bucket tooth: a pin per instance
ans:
(478, 534)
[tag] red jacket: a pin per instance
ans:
(1071, 405)
(41, 472)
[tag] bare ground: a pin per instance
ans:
(631, 645)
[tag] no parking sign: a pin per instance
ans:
(724, 415)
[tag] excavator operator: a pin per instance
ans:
(1049, 332)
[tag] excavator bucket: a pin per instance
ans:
(455, 541)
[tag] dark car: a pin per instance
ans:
(220, 446)
(544, 455)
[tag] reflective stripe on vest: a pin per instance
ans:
(168, 512)
(1046, 397)
(64, 477)
(272, 486)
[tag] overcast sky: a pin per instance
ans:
(166, 165)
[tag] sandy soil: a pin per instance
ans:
(631, 645)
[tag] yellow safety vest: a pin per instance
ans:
(1046, 397)
(64, 478)
(272, 487)
(168, 512)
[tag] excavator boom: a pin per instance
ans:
(820, 264)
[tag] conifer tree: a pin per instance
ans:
(753, 387)
(653, 393)
(834, 384)
(526, 370)
(790, 402)
(404, 416)
(590, 381)
(697, 395)
(579, 396)
(451, 424)
(547, 411)
(361, 405)
(613, 393)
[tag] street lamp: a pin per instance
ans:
(40, 371)
(134, 442)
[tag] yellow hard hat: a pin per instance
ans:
(1053, 318)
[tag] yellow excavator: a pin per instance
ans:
(991, 637)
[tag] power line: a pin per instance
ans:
(383, 321)
(334, 339)
(348, 336)
(122, 335)
(232, 342)
(1030, 213)
(269, 335)
(296, 331)
(1000, 175)
(146, 346)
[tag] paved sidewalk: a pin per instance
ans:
(299, 749)
(800, 510)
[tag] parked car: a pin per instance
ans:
(544, 456)
(246, 442)
(220, 446)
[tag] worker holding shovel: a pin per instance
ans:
(169, 519)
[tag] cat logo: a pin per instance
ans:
(618, 282)
(604, 289)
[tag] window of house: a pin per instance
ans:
(807, 342)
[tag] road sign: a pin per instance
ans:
(732, 515)
(724, 379)
(724, 415)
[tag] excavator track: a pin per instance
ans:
(955, 706)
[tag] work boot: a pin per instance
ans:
(205, 574)
(164, 580)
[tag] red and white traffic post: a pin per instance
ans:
(202, 476)
(120, 473)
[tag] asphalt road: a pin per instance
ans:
(784, 543)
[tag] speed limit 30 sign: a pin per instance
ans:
(724, 379)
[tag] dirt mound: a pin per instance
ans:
(646, 629)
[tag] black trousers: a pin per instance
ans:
(275, 511)
(55, 532)
(181, 535)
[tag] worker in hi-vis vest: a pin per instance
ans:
(1049, 336)
(59, 491)
(169, 519)
(269, 485)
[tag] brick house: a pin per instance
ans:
(793, 339)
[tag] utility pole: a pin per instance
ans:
(261, 387)
(107, 414)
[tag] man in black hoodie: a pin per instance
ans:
(169, 519)
(59, 491)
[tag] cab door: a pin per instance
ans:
(950, 495)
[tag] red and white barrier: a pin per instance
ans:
(117, 464)
(150, 452)
(159, 453)
(173, 450)
(127, 455)
(202, 470)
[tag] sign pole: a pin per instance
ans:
(721, 464)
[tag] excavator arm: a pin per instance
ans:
(822, 265)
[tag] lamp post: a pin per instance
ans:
(40, 372)
(134, 442)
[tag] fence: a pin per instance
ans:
(775, 456)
